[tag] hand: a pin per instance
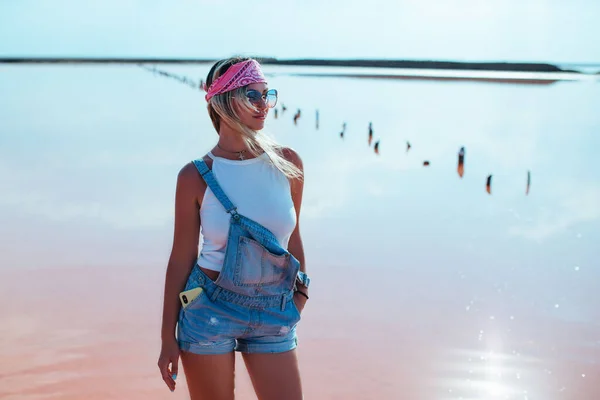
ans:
(300, 301)
(169, 354)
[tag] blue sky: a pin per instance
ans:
(512, 30)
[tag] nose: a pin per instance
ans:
(262, 104)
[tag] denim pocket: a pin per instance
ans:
(257, 266)
(194, 301)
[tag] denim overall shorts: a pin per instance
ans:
(250, 307)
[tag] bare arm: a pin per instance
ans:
(189, 193)
(185, 245)
(295, 245)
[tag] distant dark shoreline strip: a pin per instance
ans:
(404, 64)
(435, 78)
(69, 60)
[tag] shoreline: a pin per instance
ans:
(363, 63)
(440, 78)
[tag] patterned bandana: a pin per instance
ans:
(238, 75)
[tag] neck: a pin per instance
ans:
(231, 140)
(231, 145)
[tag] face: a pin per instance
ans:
(255, 119)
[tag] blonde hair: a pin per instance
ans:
(221, 110)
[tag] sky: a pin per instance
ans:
(557, 31)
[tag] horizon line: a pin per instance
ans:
(267, 59)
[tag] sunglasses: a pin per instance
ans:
(257, 98)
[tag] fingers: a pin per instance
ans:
(174, 368)
(164, 371)
(168, 376)
(173, 373)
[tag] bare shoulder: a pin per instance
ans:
(292, 156)
(188, 173)
(189, 179)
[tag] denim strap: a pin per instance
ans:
(212, 183)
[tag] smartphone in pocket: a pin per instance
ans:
(189, 295)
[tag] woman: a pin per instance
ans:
(247, 288)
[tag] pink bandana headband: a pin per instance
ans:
(238, 75)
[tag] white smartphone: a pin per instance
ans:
(189, 295)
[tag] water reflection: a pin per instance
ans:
(489, 375)
(439, 264)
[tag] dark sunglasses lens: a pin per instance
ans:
(271, 98)
(254, 96)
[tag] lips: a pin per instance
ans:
(261, 117)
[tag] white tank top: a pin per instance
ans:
(259, 191)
